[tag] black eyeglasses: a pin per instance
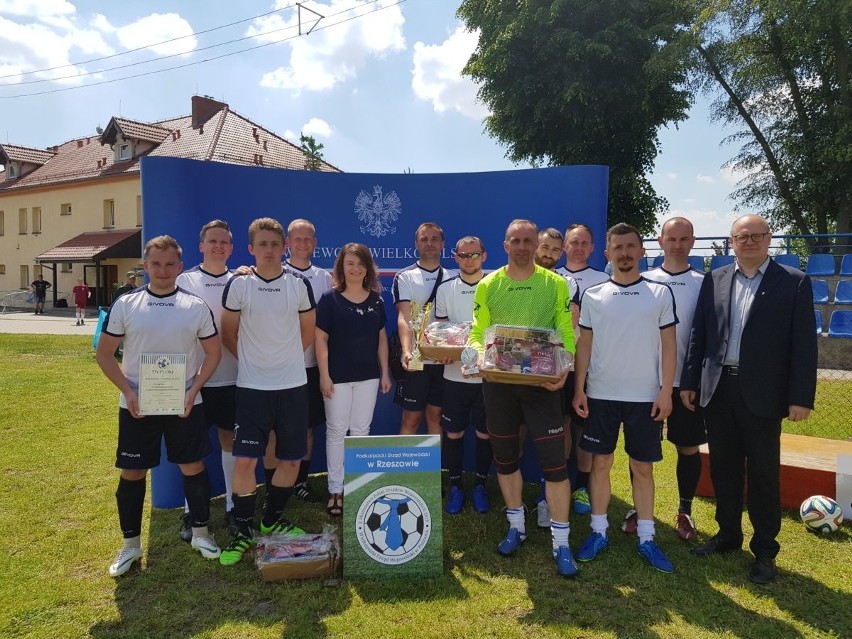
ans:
(468, 256)
(755, 237)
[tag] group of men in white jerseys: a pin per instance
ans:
(629, 358)
(622, 358)
(257, 390)
(607, 348)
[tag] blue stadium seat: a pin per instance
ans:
(820, 264)
(820, 288)
(843, 292)
(720, 260)
(643, 264)
(818, 319)
(788, 259)
(840, 324)
(696, 262)
(658, 261)
(846, 265)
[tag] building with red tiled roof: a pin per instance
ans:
(61, 195)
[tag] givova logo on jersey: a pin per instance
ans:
(393, 524)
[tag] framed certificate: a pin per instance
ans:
(162, 383)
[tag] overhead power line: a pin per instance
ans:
(142, 48)
(211, 59)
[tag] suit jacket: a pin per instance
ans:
(778, 350)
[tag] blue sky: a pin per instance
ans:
(378, 83)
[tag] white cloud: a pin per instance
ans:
(671, 176)
(290, 135)
(40, 9)
(158, 27)
(27, 47)
(101, 23)
(437, 75)
(317, 128)
(707, 179)
(333, 54)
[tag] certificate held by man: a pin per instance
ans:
(162, 383)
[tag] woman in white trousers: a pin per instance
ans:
(352, 354)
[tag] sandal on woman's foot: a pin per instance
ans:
(335, 505)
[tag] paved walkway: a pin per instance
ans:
(55, 321)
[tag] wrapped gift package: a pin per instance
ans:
(524, 355)
(280, 557)
(444, 340)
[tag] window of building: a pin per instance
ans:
(65, 209)
(2, 223)
(2, 269)
(11, 171)
(22, 221)
(67, 267)
(109, 214)
(25, 276)
(36, 219)
(138, 210)
(124, 152)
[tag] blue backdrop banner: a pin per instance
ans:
(381, 211)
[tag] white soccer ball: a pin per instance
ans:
(821, 514)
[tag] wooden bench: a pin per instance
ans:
(808, 467)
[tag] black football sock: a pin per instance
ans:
(484, 457)
(454, 457)
(244, 512)
(197, 491)
(267, 474)
(276, 500)
(130, 496)
(688, 473)
(302, 477)
(582, 480)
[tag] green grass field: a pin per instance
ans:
(58, 533)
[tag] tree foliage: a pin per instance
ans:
(312, 150)
(781, 68)
(578, 82)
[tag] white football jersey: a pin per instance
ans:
(210, 287)
(625, 321)
(151, 323)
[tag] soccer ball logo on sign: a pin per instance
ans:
(393, 525)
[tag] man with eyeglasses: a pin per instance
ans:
(463, 404)
(751, 362)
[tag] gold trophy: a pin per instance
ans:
(419, 321)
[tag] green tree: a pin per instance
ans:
(781, 71)
(578, 82)
(312, 150)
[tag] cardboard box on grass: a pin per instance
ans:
(281, 557)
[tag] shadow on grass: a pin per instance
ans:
(153, 600)
(619, 593)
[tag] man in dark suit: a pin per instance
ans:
(751, 362)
